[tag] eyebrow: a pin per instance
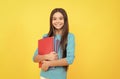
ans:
(60, 17)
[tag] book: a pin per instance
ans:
(45, 46)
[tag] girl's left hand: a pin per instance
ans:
(45, 65)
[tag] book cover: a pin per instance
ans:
(45, 46)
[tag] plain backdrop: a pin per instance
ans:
(95, 24)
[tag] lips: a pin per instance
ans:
(58, 24)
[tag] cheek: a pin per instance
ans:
(63, 21)
(53, 22)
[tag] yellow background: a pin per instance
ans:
(95, 23)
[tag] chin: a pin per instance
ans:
(58, 27)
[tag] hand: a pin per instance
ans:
(45, 65)
(52, 56)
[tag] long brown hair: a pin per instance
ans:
(65, 31)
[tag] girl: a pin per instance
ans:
(61, 59)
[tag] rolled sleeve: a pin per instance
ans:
(35, 53)
(70, 49)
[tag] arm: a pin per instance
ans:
(60, 62)
(70, 53)
(64, 61)
(38, 58)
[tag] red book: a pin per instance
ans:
(45, 46)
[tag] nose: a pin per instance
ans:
(57, 21)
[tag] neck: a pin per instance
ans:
(59, 32)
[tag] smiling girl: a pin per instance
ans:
(59, 29)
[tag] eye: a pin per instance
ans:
(61, 18)
(53, 18)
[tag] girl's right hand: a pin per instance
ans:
(52, 56)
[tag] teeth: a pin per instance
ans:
(58, 24)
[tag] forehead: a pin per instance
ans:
(57, 14)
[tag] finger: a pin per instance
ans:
(56, 57)
(45, 69)
(56, 54)
(42, 61)
(52, 52)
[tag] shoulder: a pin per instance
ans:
(44, 35)
(71, 35)
(71, 40)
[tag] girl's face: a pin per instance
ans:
(58, 20)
